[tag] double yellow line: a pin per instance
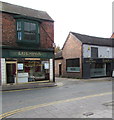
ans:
(48, 104)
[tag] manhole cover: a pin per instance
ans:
(88, 113)
(109, 103)
(66, 87)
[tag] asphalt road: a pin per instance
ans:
(70, 93)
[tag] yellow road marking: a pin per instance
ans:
(51, 103)
(24, 89)
(16, 90)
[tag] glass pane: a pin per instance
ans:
(33, 27)
(26, 26)
(73, 69)
(73, 62)
(29, 31)
(33, 36)
(94, 52)
(98, 70)
(29, 36)
(19, 35)
(18, 25)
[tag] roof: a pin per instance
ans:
(85, 39)
(112, 35)
(19, 10)
(58, 55)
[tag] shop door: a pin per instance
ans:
(108, 69)
(11, 72)
(60, 69)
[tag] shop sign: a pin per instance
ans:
(106, 60)
(26, 54)
(32, 64)
(90, 61)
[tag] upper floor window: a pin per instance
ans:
(27, 31)
(94, 52)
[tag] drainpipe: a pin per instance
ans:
(82, 58)
(54, 62)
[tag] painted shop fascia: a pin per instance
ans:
(27, 45)
(100, 60)
(25, 53)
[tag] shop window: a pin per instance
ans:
(94, 52)
(37, 70)
(97, 69)
(73, 65)
(27, 31)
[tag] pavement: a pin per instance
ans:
(41, 84)
(30, 85)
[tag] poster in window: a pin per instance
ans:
(20, 66)
(46, 65)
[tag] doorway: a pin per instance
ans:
(60, 70)
(108, 69)
(11, 72)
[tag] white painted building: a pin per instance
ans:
(103, 51)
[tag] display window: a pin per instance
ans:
(97, 69)
(73, 65)
(36, 69)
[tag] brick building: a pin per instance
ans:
(84, 56)
(27, 38)
(58, 64)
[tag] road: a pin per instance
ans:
(70, 99)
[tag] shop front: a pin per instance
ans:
(22, 66)
(97, 67)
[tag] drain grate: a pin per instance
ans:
(88, 113)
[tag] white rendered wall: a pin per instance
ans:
(3, 71)
(51, 69)
(103, 51)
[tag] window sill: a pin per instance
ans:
(74, 72)
(27, 42)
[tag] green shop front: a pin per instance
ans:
(25, 65)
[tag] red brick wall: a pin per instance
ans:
(47, 34)
(72, 49)
(9, 32)
(0, 71)
(0, 28)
